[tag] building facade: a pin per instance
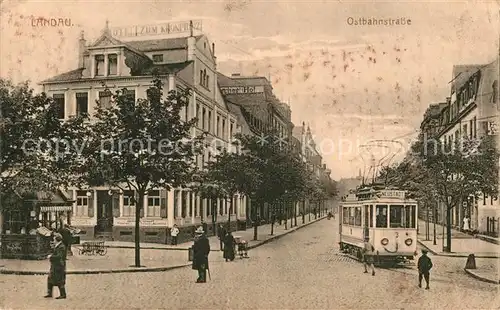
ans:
(470, 112)
(183, 62)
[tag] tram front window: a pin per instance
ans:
(397, 219)
(381, 214)
(410, 216)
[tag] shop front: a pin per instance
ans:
(29, 221)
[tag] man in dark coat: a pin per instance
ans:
(229, 244)
(57, 274)
(221, 234)
(67, 238)
(201, 249)
(424, 267)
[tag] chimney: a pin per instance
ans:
(191, 42)
(81, 50)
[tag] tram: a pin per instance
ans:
(384, 215)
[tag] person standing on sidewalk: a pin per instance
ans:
(174, 232)
(57, 274)
(229, 245)
(424, 268)
(221, 233)
(368, 253)
(201, 249)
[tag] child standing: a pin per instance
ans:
(424, 267)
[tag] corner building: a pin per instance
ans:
(182, 62)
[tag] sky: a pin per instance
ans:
(359, 88)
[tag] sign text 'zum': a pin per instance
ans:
(158, 29)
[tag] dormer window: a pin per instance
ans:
(158, 58)
(99, 65)
(112, 64)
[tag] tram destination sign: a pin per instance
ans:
(230, 90)
(392, 194)
(155, 29)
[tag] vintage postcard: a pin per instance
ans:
(239, 154)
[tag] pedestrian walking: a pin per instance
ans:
(368, 253)
(57, 274)
(174, 231)
(204, 225)
(229, 246)
(201, 249)
(424, 268)
(221, 233)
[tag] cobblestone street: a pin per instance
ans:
(300, 271)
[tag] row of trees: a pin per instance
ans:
(136, 145)
(434, 173)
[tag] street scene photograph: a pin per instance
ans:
(238, 154)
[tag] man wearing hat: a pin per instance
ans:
(201, 249)
(57, 274)
(424, 266)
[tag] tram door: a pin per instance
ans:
(366, 230)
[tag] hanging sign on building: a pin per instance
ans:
(229, 90)
(155, 29)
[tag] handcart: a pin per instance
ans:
(242, 247)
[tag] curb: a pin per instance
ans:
(455, 255)
(487, 239)
(151, 269)
(480, 278)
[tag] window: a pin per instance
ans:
(351, 216)
(204, 81)
(105, 99)
(130, 93)
(184, 200)
(186, 112)
(231, 130)
(470, 129)
(494, 94)
(196, 206)
(201, 77)
(410, 216)
(223, 127)
(153, 204)
(381, 214)
(112, 64)
(209, 121)
(357, 216)
(60, 105)
(475, 127)
(203, 116)
(158, 58)
(82, 203)
(99, 65)
(82, 103)
(198, 114)
(208, 81)
(176, 203)
(465, 131)
(345, 215)
(218, 126)
(371, 216)
(129, 203)
(14, 222)
(208, 204)
(396, 216)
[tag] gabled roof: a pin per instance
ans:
(106, 39)
(242, 80)
(66, 76)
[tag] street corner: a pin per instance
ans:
(484, 276)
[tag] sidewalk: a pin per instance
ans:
(154, 257)
(462, 245)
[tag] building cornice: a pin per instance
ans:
(458, 119)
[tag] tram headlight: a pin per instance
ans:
(408, 242)
(384, 241)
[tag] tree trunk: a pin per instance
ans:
(272, 223)
(229, 215)
(256, 220)
(139, 206)
(303, 212)
(295, 213)
(285, 209)
(448, 229)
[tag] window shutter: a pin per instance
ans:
(163, 203)
(91, 205)
(116, 205)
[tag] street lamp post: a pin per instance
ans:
(434, 218)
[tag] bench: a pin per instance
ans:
(93, 248)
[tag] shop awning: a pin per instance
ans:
(55, 208)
